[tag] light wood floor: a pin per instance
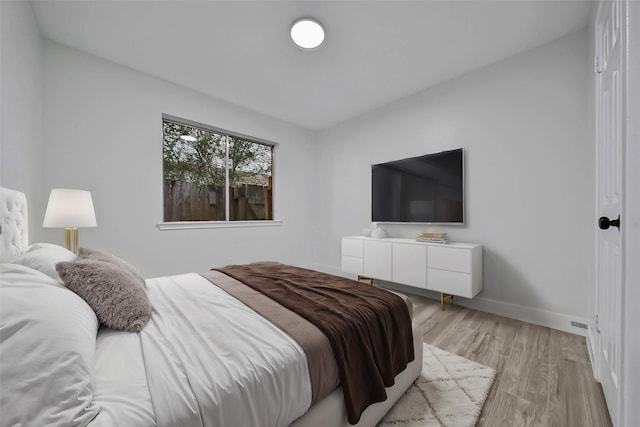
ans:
(544, 376)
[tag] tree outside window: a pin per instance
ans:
(213, 176)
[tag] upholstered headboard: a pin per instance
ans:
(14, 238)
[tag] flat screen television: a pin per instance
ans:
(424, 189)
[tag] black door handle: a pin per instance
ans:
(605, 222)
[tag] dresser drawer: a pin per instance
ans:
(409, 265)
(352, 247)
(377, 259)
(452, 259)
(449, 282)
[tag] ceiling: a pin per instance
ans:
(376, 52)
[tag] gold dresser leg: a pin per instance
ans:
(370, 279)
(443, 297)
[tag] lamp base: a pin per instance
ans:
(71, 239)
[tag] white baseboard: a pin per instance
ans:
(534, 315)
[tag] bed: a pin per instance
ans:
(214, 351)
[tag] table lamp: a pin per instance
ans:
(69, 209)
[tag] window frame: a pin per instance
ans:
(227, 223)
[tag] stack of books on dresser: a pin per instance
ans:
(431, 237)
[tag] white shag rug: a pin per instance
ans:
(450, 391)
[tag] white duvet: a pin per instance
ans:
(204, 359)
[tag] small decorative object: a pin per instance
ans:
(378, 233)
(432, 237)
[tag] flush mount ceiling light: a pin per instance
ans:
(188, 138)
(307, 33)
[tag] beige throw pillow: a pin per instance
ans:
(118, 298)
(107, 257)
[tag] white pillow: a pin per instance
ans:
(44, 257)
(47, 348)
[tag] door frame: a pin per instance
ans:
(631, 212)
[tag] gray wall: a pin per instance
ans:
(104, 134)
(524, 124)
(21, 89)
(529, 173)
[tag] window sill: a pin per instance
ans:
(198, 225)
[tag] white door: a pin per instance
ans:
(610, 111)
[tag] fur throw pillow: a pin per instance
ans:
(118, 298)
(107, 257)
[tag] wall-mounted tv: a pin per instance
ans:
(424, 189)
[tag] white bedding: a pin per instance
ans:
(201, 349)
(120, 381)
(47, 345)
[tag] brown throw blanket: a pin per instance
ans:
(323, 370)
(368, 328)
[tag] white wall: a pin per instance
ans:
(529, 173)
(103, 134)
(21, 89)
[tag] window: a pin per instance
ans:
(214, 175)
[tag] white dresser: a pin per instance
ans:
(451, 269)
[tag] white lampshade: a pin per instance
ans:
(69, 208)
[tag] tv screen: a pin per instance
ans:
(422, 189)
